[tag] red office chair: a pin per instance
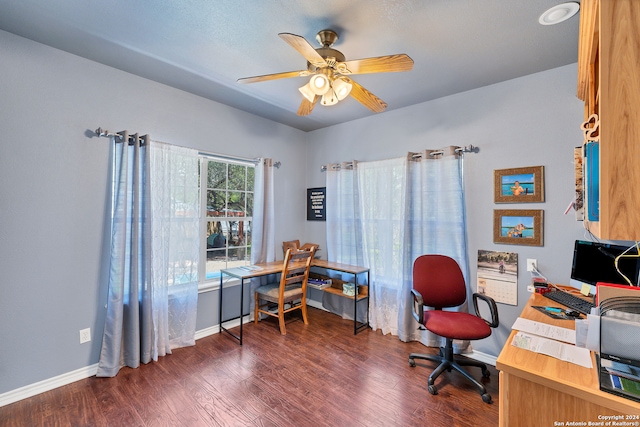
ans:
(438, 283)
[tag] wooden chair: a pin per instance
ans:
(295, 244)
(291, 290)
(291, 244)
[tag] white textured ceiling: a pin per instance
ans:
(204, 46)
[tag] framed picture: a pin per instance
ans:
(316, 207)
(518, 226)
(519, 185)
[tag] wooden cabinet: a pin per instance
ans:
(609, 84)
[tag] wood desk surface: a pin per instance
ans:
(565, 377)
(346, 268)
(245, 272)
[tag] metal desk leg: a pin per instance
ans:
(220, 305)
(355, 305)
(241, 317)
(241, 307)
(364, 324)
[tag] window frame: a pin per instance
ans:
(212, 283)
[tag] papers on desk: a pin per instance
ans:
(567, 352)
(545, 330)
(243, 271)
(250, 268)
(550, 340)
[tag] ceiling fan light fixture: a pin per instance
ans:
(329, 98)
(307, 92)
(319, 84)
(342, 88)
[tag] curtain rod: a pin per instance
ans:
(465, 149)
(104, 132)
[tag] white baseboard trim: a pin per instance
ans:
(212, 330)
(316, 304)
(48, 384)
(481, 357)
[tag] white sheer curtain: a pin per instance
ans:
(153, 279)
(175, 224)
(383, 206)
(344, 230)
(402, 208)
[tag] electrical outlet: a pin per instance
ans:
(85, 335)
(531, 264)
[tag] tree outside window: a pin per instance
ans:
(228, 214)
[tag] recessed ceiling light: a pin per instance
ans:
(559, 13)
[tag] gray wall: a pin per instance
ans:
(530, 121)
(54, 186)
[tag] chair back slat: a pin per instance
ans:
(294, 280)
(296, 268)
(291, 244)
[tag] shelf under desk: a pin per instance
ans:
(538, 390)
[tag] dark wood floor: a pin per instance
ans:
(316, 375)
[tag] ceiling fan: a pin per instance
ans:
(330, 81)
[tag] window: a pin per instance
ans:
(227, 213)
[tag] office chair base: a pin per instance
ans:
(447, 363)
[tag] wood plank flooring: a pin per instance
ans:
(316, 375)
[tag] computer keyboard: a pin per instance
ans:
(571, 301)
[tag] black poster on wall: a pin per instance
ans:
(316, 208)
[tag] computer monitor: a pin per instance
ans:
(594, 262)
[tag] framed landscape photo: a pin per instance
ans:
(519, 185)
(518, 226)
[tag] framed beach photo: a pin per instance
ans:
(518, 226)
(519, 185)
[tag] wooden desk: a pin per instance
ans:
(275, 267)
(243, 273)
(364, 295)
(538, 390)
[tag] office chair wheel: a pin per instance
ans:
(486, 398)
(433, 390)
(485, 373)
(412, 363)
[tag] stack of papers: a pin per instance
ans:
(550, 340)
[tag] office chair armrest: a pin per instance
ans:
(418, 306)
(492, 308)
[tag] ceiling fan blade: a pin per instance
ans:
(305, 49)
(380, 64)
(275, 76)
(366, 98)
(306, 107)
